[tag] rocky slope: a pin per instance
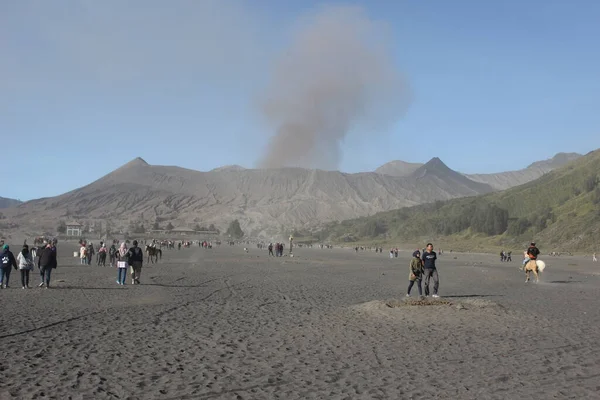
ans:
(498, 181)
(505, 180)
(265, 201)
(6, 203)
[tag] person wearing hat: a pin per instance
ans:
(415, 273)
(7, 261)
(135, 257)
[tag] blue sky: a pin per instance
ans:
(86, 86)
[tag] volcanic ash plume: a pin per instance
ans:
(337, 76)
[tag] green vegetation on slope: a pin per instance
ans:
(561, 210)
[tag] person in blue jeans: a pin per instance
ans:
(429, 270)
(121, 264)
(7, 261)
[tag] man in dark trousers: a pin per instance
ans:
(429, 270)
(135, 257)
(7, 261)
(46, 263)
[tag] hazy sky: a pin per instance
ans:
(86, 86)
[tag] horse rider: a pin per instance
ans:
(532, 253)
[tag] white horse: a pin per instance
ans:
(535, 266)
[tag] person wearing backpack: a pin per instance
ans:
(25, 261)
(7, 261)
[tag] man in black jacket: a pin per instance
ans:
(532, 253)
(429, 270)
(135, 257)
(46, 263)
(7, 261)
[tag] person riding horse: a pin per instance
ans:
(153, 253)
(532, 253)
(530, 263)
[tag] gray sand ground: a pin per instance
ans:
(223, 324)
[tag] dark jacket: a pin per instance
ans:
(135, 254)
(416, 268)
(7, 259)
(429, 259)
(533, 252)
(47, 259)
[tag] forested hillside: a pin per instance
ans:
(561, 210)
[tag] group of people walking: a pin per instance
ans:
(123, 258)
(132, 257)
(25, 262)
(423, 268)
(278, 248)
(506, 256)
(46, 260)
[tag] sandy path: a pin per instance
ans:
(222, 324)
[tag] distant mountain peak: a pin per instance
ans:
(234, 167)
(398, 168)
(436, 163)
(435, 166)
(140, 161)
(558, 160)
(136, 162)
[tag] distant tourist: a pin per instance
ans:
(7, 262)
(594, 259)
(509, 256)
(46, 263)
(415, 273)
(121, 264)
(25, 261)
(90, 253)
(271, 250)
(102, 255)
(135, 258)
(430, 270)
(112, 252)
(83, 254)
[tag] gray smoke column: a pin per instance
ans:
(337, 76)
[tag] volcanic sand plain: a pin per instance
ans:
(225, 324)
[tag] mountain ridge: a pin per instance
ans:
(266, 201)
(7, 203)
(560, 210)
(497, 180)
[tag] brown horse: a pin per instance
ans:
(153, 253)
(535, 266)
